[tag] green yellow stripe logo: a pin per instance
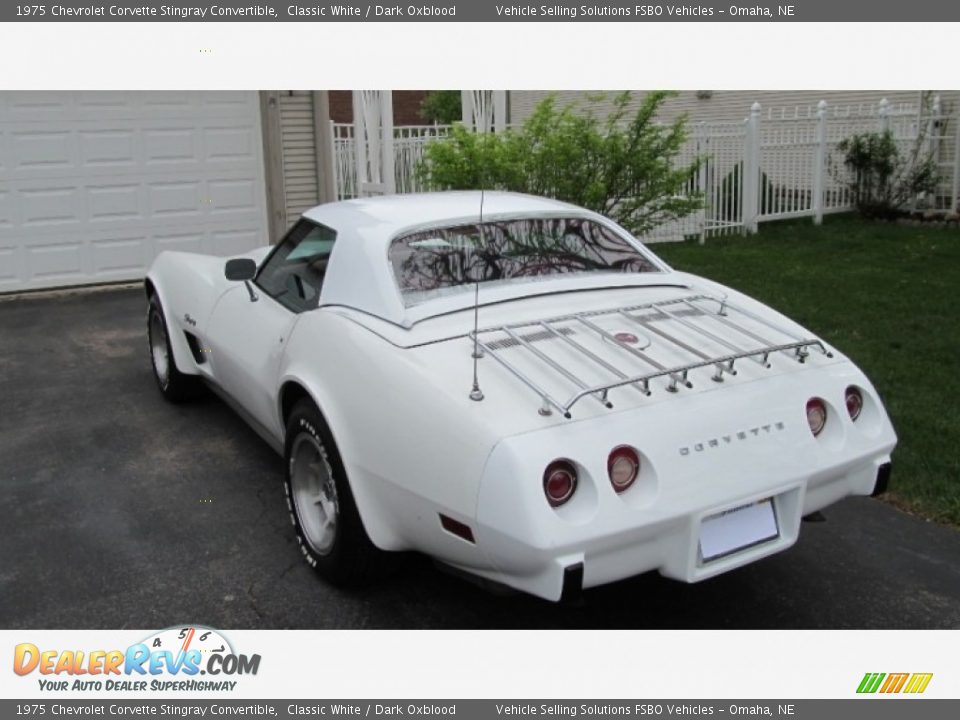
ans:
(891, 683)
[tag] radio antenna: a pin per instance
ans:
(476, 393)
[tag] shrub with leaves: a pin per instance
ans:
(623, 166)
(442, 106)
(883, 180)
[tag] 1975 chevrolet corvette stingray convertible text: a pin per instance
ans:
(519, 389)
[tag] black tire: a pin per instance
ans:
(346, 557)
(174, 385)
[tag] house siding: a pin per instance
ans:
(298, 143)
(729, 105)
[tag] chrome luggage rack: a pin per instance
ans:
(678, 310)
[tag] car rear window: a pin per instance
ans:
(443, 261)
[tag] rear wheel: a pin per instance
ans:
(175, 386)
(324, 514)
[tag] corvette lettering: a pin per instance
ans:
(739, 436)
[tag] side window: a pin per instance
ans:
(293, 274)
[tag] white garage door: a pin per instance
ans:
(94, 184)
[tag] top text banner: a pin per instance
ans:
(482, 11)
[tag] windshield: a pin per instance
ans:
(441, 261)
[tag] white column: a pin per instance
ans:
(751, 171)
(359, 141)
(373, 141)
(466, 107)
(933, 128)
(387, 176)
(703, 146)
(820, 163)
(499, 110)
(884, 112)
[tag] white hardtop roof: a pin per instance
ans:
(360, 275)
(393, 214)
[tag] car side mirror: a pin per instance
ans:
(240, 269)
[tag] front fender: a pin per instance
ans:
(182, 356)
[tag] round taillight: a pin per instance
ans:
(623, 465)
(854, 400)
(816, 415)
(559, 482)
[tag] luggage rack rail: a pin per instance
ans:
(677, 310)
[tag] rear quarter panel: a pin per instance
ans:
(410, 450)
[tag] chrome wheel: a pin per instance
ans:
(159, 350)
(314, 493)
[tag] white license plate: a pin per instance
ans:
(737, 529)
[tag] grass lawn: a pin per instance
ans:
(888, 296)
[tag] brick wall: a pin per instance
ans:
(406, 106)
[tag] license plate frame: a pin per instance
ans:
(737, 529)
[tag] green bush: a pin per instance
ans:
(729, 196)
(773, 198)
(622, 166)
(442, 106)
(881, 179)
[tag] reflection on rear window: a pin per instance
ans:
(443, 261)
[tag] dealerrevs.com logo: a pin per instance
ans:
(170, 660)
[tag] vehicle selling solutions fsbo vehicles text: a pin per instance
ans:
(573, 12)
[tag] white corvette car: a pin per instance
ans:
(518, 388)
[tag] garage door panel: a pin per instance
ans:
(60, 261)
(170, 101)
(120, 254)
(44, 150)
(98, 103)
(230, 144)
(7, 220)
(114, 203)
(9, 265)
(43, 207)
(35, 106)
(231, 196)
(168, 145)
(182, 198)
(94, 185)
(114, 147)
(229, 101)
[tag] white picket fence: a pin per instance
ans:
(773, 165)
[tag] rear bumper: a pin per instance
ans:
(669, 546)
(689, 471)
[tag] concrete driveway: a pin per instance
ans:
(120, 510)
